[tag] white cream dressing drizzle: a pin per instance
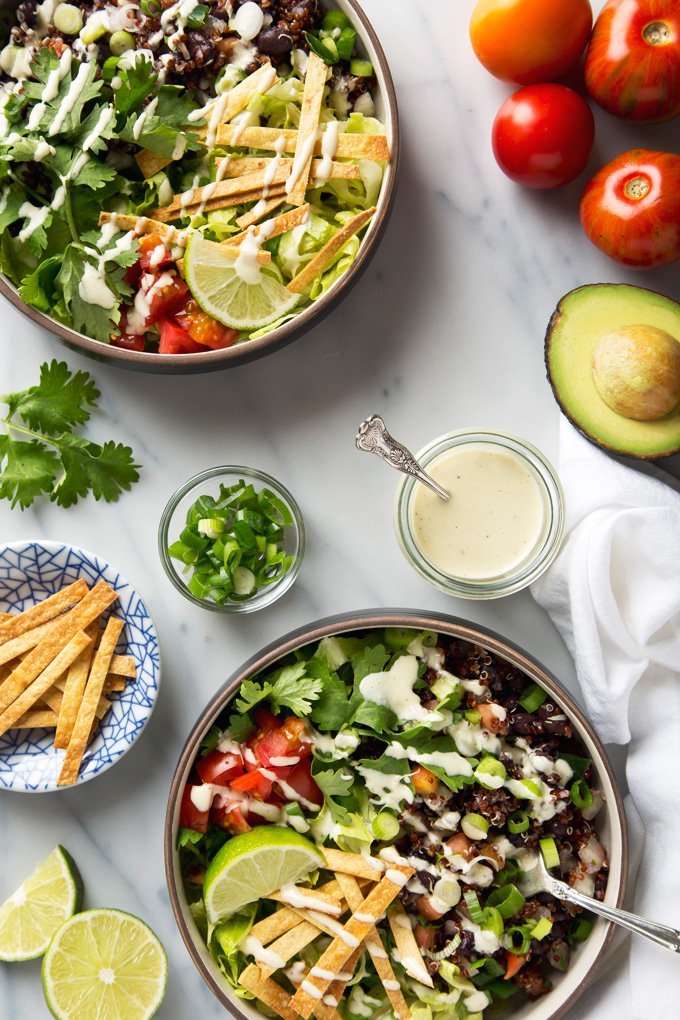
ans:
(393, 689)
(329, 147)
(452, 762)
(253, 947)
(70, 99)
(291, 895)
(301, 158)
(51, 90)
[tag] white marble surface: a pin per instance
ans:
(444, 331)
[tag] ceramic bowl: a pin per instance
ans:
(30, 572)
(586, 957)
(183, 364)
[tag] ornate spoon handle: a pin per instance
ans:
(373, 437)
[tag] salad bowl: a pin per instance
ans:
(368, 48)
(610, 825)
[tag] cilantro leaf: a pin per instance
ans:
(92, 319)
(38, 288)
(371, 659)
(105, 470)
(136, 83)
(430, 743)
(10, 264)
(388, 767)
(29, 470)
(42, 64)
(59, 400)
(241, 727)
(333, 782)
(294, 690)
(103, 131)
(168, 117)
(332, 709)
(374, 717)
(11, 201)
(251, 693)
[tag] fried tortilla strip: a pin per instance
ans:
(331, 248)
(19, 623)
(40, 719)
(114, 683)
(86, 713)
(260, 212)
(308, 129)
(409, 953)
(350, 145)
(149, 163)
(267, 991)
(123, 665)
(287, 221)
(87, 610)
(170, 234)
(241, 165)
(6, 616)
(55, 696)
(42, 683)
(343, 863)
(288, 945)
(19, 646)
(323, 1010)
(331, 900)
(224, 189)
(352, 935)
(376, 949)
(336, 989)
(272, 927)
(67, 693)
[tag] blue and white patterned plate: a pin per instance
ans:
(30, 572)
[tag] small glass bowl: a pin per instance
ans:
(534, 563)
(173, 520)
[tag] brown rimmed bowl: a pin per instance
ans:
(211, 361)
(585, 959)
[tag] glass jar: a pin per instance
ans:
(173, 520)
(536, 559)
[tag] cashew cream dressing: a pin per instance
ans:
(494, 519)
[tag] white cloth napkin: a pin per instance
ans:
(614, 594)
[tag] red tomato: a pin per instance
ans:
(203, 328)
(128, 341)
(300, 779)
(148, 244)
(254, 783)
(219, 767)
(631, 209)
(274, 745)
(175, 340)
(231, 818)
(543, 135)
(530, 41)
(296, 735)
(633, 60)
(164, 292)
(265, 719)
(189, 815)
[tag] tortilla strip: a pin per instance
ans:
(336, 989)
(337, 954)
(82, 730)
(231, 186)
(6, 616)
(267, 991)
(67, 694)
(343, 863)
(255, 214)
(332, 898)
(39, 719)
(54, 698)
(91, 606)
(331, 248)
(409, 953)
(18, 646)
(241, 165)
(172, 235)
(293, 218)
(322, 1010)
(149, 163)
(123, 665)
(44, 680)
(19, 623)
(289, 945)
(272, 927)
(376, 949)
(308, 129)
(350, 144)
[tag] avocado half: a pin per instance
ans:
(577, 325)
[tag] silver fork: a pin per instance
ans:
(664, 936)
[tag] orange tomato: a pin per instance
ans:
(530, 41)
(424, 781)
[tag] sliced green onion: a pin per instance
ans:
(297, 818)
(244, 581)
(197, 16)
(532, 698)
(385, 826)
(510, 944)
(490, 773)
(518, 822)
(493, 968)
(472, 903)
(542, 928)
(579, 929)
(508, 900)
(68, 19)
(551, 857)
(501, 990)
(398, 638)
(509, 870)
(211, 527)
(581, 794)
(361, 68)
(345, 44)
(109, 68)
(493, 921)
(191, 538)
(472, 716)
(151, 8)
(474, 826)
(94, 28)
(524, 789)
(335, 19)
(121, 42)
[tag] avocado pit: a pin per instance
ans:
(636, 370)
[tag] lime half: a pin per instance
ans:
(212, 277)
(30, 917)
(255, 864)
(104, 963)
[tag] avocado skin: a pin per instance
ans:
(555, 320)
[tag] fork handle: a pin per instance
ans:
(664, 936)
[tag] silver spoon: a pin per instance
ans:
(664, 936)
(373, 437)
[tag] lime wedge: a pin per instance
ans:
(211, 275)
(30, 917)
(104, 963)
(255, 864)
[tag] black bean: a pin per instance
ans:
(200, 48)
(428, 880)
(274, 40)
(522, 722)
(557, 727)
(510, 703)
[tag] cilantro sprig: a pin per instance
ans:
(40, 454)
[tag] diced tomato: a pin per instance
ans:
(150, 257)
(274, 745)
(300, 780)
(189, 815)
(231, 818)
(424, 936)
(459, 844)
(424, 781)
(515, 963)
(128, 341)
(265, 719)
(490, 720)
(165, 292)
(296, 734)
(175, 341)
(219, 767)
(254, 783)
(424, 906)
(203, 328)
